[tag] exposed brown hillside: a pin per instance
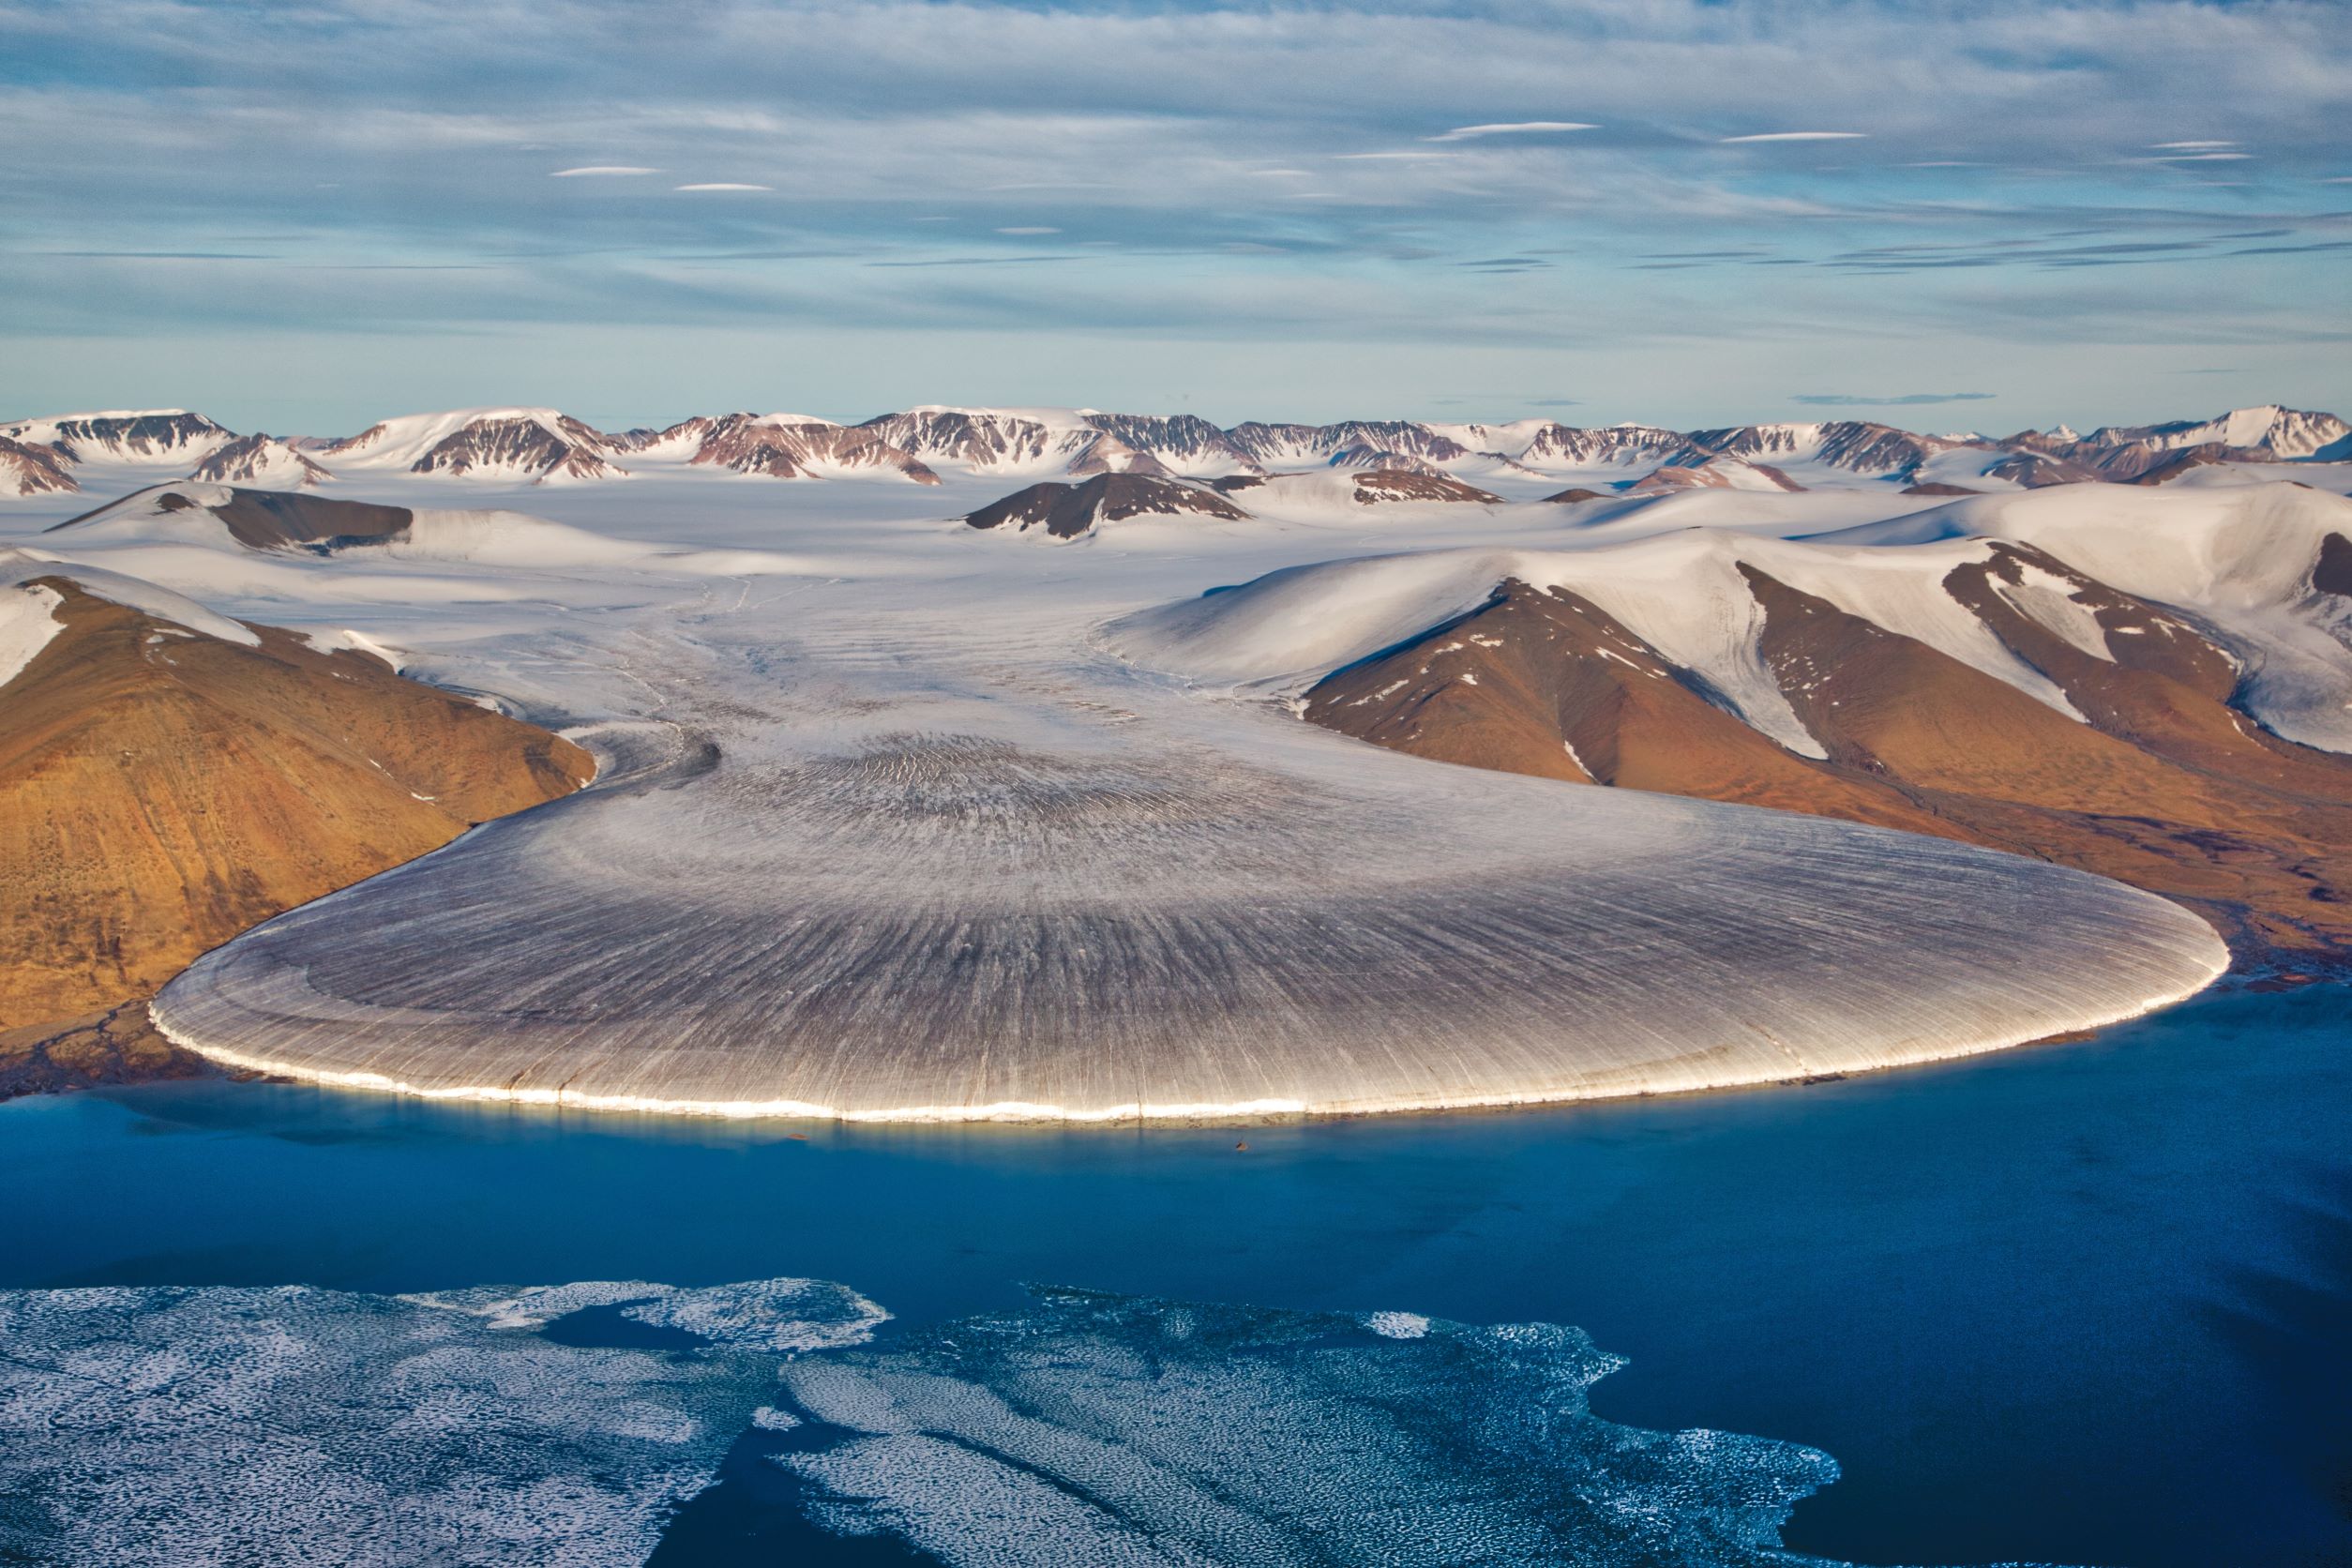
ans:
(2166, 787)
(1547, 683)
(161, 790)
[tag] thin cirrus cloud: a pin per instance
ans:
(1513, 128)
(1906, 400)
(1264, 246)
(1029, 229)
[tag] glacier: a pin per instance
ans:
(889, 826)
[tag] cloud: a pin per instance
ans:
(1030, 228)
(1517, 127)
(359, 130)
(1907, 400)
(723, 185)
(2293, 249)
(978, 261)
(166, 255)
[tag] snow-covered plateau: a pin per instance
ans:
(901, 818)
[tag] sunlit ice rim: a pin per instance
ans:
(1134, 1112)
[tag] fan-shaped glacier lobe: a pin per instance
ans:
(935, 887)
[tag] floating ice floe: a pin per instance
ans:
(497, 1427)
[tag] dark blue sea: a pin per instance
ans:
(2081, 1303)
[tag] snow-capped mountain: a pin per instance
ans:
(157, 435)
(534, 443)
(2276, 432)
(1075, 442)
(1273, 446)
(990, 439)
(1363, 454)
(784, 446)
(930, 444)
(31, 468)
(1181, 442)
(265, 460)
(1558, 446)
(1856, 445)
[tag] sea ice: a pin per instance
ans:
(294, 1425)
(298, 1425)
(1107, 1429)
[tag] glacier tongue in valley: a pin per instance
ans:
(933, 873)
(888, 827)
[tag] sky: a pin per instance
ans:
(301, 217)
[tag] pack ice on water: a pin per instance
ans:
(233, 1426)
(247, 1428)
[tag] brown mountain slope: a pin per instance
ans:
(1547, 683)
(28, 468)
(2163, 688)
(2165, 786)
(162, 790)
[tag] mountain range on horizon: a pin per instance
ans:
(53, 454)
